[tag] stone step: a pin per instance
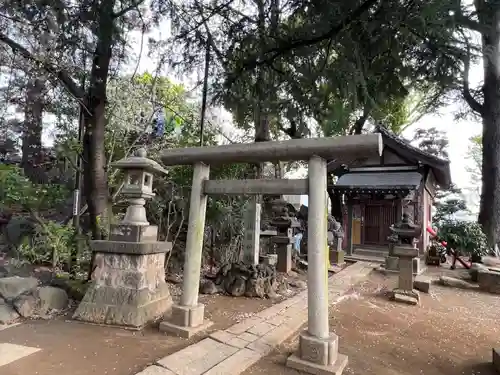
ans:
(364, 258)
(378, 253)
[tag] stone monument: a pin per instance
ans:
(128, 281)
(251, 241)
(406, 251)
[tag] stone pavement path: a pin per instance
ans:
(233, 350)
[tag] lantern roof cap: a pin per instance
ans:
(140, 162)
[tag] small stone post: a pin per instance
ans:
(406, 251)
(188, 316)
(318, 347)
(128, 287)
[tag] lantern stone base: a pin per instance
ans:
(127, 290)
(337, 257)
(318, 356)
(186, 321)
(410, 297)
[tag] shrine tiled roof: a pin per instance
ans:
(440, 167)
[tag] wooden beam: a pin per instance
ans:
(338, 148)
(256, 187)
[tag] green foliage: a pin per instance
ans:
(51, 243)
(464, 236)
(18, 190)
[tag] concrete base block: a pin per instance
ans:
(269, 259)
(295, 362)
(422, 283)
(406, 296)
(496, 360)
(318, 356)
(392, 263)
(184, 332)
(337, 257)
(186, 321)
(284, 261)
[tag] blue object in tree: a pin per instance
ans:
(159, 124)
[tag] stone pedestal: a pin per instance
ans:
(337, 257)
(405, 292)
(284, 251)
(318, 356)
(186, 321)
(128, 283)
(269, 259)
(392, 263)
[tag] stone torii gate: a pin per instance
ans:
(318, 346)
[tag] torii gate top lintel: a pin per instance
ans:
(290, 150)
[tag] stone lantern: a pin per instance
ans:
(138, 185)
(406, 233)
(128, 287)
(284, 224)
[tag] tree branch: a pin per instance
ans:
(61, 75)
(273, 53)
(471, 101)
(127, 9)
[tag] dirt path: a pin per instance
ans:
(452, 332)
(81, 349)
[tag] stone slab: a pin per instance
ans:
(198, 358)
(261, 329)
(156, 370)
(123, 247)
(404, 298)
(337, 368)
(405, 251)
(422, 283)
(182, 331)
(243, 326)
(385, 271)
(235, 364)
(496, 359)
(12, 352)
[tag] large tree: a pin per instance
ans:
(70, 34)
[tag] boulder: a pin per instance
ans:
(241, 279)
(7, 313)
(51, 298)
(13, 287)
(25, 306)
(208, 287)
(456, 283)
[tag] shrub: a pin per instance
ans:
(467, 237)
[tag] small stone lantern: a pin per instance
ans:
(406, 233)
(138, 185)
(128, 281)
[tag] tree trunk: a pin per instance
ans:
(94, 173)
(32, 155)
(489, 210)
